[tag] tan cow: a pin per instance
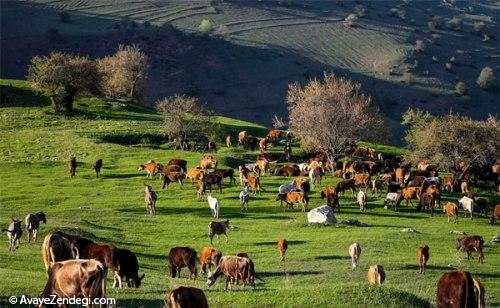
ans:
(282, 247)
(422, 258)
(195, 174)
(209, 256)
(376, 274)
(242, 136)
(229, 141)
(208, 162)
(451, 210)
(235, 269)
(362, 179)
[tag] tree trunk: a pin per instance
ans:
(132, 89)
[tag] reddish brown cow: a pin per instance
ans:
(180, 257)
(287, 170)
(107, 254)
(346, 185)
(409, 193)
(150, 167)
(179, 162)
(292, 197)
(282, 247)
(252, 181)
(274, 135)
(362, 179)
(470, 244)
(496, 214)
(186, 297)
(171, 177)
(332, 197)
(451, 210)
(209, 256)
(455, 289)
(422, 258)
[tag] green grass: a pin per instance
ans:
(35, 144)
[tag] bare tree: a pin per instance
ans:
(278, 122)
(124, 73)
(184, 117)
(62, 76)
(452, 140)
(331, 115)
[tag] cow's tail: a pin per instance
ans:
(46, 255)
(98, 289)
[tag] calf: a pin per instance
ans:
(244, 198)
(216, 228)
(293, 197)
(449, 183)
(107, 254)
(211, 179)
(467, 204)
(72, 166)
(184, 296)
(376, 274)
(361, 199)
(408, 194)
(214, 205)
(226, 173)
(14, 233)
(393, 199)
(362, 180)
(32, 222)
(426, 201)
(346, 185)
(464, 187)
(97, 167)
(456, 289)
(195, 174)
(495, 215)
(209, 256)
(171, 177)
(282, 247)
(355, 253)
(129, 268)
(422, 258)
(180, 257)
(76, 278)
(150, 167)
(150, 200)
(470, 244)
(234, 268)
(400, 175)
(451, 210)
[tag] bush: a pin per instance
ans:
(435, 59)
(360, 10)
(455, 23)
(419, 46)
(448, 66)
(437, 20)
(402, 14)
(479, 26)
(350, 20)
(206, 26)
(432, 26)
(486, 78)
(64, 17)
(460, 88)
(222, 30)
(453, 60)
(408, 78)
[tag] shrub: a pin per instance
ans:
(419, 45)
(408, 78)
(460, 88)
(453, 60)
(486, 78)
(454, 23)
(222, 30)
(206, 26)
(64, 17)
(486, 37)
(432, 26)
(350, 20)
(448, 66)
(437, 20)
(360, 10)
(402, 14)
(435, 59)
(479, 26)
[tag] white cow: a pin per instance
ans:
(303, 167)
(244, 197)
(214, 205)
(468, 205)
(361, 198)
(355, 253)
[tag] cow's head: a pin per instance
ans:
(135, 282)
(459, 245)
(211, 278)
(42, 217)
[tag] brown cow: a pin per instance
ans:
(376, 274)
(229, 141)
(470, 244)
(362, 179)
(179, 162)
(150, 167)
(171, 177)
(251, 181)
(81, 278)
(195, 174)
(451, 210)
(168, 169)
(263, 145)
(346, 185)
(496, 214)
(282, 247)
(422, 258)
(242, 136)
(60, 246)
(274, 135)
(72, 166)
(97, 167)
(180, 257)
(400, 175)
(234, 268)
(455, 289)
(186, 297)
(107, 254)
(209, 256)
(129, 268)
(292, 197)
(408, 194)
(287, 170)
(216, 228)
(426, 201)
(208, 162)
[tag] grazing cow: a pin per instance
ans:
(151, 168)
(408, 194)
(328, 191)
(470, 244)
(253, 182)
(315, 175)
(467, 204)
(400, 175)
(250, 142)
(82, 278)
(179, 162)
(234, 268)
(32, 222)
(464, 187)
(449, 183)
(287, 150)
(426, 201)
(495, 215)
(287, 170)
(229, 141)
(392, 199)
(455, 289)
(150, 200)
(186, 297)
(274, 135)
(422, 258)
(415, 181)
(377, 185)
(284, 188)
(97, 167)
(14, 233)
(107, 254)
(208, 162)
(479, 294)
(282, 247)
(451, 210)
(263, 145)
(209, 256)
(216, 228)
(194, 174)
(129, 268)
(361, 199)
(362, 180)
(376, 274)
(72, 166)
(59, 246)
(481, 206)
(244, 197)
(212, 147)
(346, 185)
(211, 179)
(214, 205)
(242, 136)
(262, 164)
(180, 257)
(290, 198)
(355, 253)
(226, 173)
(302, 185)
(171, 177)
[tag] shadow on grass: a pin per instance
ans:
(123, 176)
(487, 275)
(332, 258)
(427, 267)
(292, 242)
(12, 96)
(132, 139)
(151, 256)
(292, 273)
(94, 225)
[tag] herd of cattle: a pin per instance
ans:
(77, 266)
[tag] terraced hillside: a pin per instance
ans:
(265, 45)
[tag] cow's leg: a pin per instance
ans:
(34, 235)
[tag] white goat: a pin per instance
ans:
(468, 205)
(361, 198)
(244, 197)
(355, 253)
(214, 205)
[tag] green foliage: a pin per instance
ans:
(206, 26)
(486, 78)
(454, 23)
(460, 88)
(351, 20)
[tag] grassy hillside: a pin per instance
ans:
(35, 145)
(269, 44)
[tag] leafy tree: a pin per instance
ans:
(486, 78)
(460, 88)
(62, 76)
(206, 26)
